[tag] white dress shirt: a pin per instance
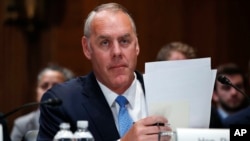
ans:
(135, 96)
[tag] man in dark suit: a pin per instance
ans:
(227, 100)
(243, 116)
(110, 42)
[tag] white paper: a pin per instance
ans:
(174, 111)
(174, 64)
(186, 82)
(202, 134)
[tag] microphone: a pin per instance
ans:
(224, 80)
(50, 102)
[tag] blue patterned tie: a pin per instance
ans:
(124, 119)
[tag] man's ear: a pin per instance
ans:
(86, 48)
(215, 97)
(137, 48)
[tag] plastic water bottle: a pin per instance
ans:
(82, 133)
(64, 134)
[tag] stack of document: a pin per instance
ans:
(181, 91)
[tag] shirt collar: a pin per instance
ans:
(111, 96)
(222, 113)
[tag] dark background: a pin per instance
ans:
(219, 29)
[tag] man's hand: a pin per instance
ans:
(147, 130)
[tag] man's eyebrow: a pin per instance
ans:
(106, 36)
(126, 35)
(102, 37)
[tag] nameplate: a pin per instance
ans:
(1, 132)
(201, 134)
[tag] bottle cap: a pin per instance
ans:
(82, 123)
(64, 125)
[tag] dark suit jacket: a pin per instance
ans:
(241, 117)
(82, 100)
(215, 119)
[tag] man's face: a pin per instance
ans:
(113, 50)
(228, 97)
(48, 79)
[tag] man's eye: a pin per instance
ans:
(225, 87)
(104, 43)
(44, 86)
(124, 42)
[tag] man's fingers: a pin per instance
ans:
(153, 120)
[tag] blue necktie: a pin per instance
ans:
(124, 119)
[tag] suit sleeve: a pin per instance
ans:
(50, 118)
(241, 117)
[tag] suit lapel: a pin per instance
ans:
(99, 111)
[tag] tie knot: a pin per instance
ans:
(122, 101)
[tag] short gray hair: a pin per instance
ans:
(113, 7)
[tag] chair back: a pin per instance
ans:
(31, 135)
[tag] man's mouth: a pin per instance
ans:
(118, 66)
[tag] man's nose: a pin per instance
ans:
(233, 91)
(116, 49)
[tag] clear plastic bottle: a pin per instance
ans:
(82, 133)
(64, 134)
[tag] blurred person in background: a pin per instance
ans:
(243, 116)
(47, 78)
(176, 51)
(227, 100)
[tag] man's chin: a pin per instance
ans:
(120, 80)
(233, 108)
